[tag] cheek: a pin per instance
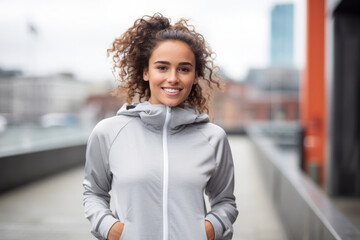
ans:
(154, 82)
(191, 81)
(190, 87)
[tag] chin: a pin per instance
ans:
(176, 104)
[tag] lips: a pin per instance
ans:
(171, 91)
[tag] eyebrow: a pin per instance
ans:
(168, 63)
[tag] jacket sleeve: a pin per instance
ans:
(97, 184)
(220, 189)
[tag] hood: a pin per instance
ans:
(154, 115)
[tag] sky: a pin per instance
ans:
(73, 35)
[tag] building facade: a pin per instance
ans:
(282, 35)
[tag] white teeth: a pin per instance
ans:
(171, 90)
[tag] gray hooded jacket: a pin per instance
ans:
(158, 161)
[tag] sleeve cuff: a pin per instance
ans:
(106, 224)
(218, 228)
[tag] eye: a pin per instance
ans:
(184, 69)
(162, 68)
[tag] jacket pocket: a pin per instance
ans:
(123, 234)
(204, 230)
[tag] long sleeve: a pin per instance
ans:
(220, 190)
(97, 184)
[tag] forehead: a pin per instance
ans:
(172, 50)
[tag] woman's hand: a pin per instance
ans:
(210, 232)
(115, 231)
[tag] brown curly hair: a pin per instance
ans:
(131, 52)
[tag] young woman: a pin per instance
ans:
(158, 157)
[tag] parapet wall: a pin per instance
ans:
(22, 168)
(304, 209)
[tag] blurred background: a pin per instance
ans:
(290, 108)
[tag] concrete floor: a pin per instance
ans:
(52, 208)
(257, 218)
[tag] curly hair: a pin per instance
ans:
(131, 52)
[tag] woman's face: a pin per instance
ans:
(171, 73)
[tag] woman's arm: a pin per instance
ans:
(220, 190)
(97, 184)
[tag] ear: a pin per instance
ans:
(196, 78)
(146, 74)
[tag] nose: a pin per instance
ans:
(172, 78)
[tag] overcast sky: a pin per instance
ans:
(73, 35)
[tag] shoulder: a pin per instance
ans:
(212, 132)
(212, 129)
(110, 127)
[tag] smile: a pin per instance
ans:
(172, 91)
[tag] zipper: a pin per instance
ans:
(166, 174)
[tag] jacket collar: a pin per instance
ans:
(154, 115)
